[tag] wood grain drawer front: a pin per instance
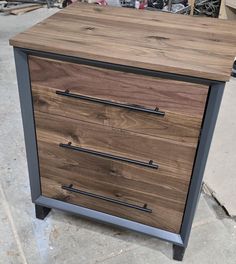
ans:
(170, 126)
(117, 142)
(122, 87)
(152, 197)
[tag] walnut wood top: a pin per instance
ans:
(193, 46)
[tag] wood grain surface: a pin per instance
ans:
(161, 217)
(161, 190)
(193, 46)
(172, 126)
(151, 92)
(119, 142)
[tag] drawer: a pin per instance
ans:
(117, 86)
(152, 197)
(168, 125)
(117, 142)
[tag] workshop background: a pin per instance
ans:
(65, 238)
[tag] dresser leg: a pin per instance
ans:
(41, 212)
(178, 252)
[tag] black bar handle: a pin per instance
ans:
(132, 107)
(108, 199)
(149, 164)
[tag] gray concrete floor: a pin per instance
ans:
(64, 238)
(220, 170)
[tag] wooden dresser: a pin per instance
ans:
(119, 108)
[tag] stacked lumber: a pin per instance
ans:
(18, 7)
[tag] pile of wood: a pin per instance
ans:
(18, 7)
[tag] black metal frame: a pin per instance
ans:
(180, 240)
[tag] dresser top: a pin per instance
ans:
(193, 46)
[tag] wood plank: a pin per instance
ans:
(164, 195)
(191, 2)
(25, 10)
(116, 141)
(157, 18)
(123, 87)
(198, 55)
(160, 217)
(227, 11)
(19, 7)
(172, 126)
(231, 3)
(98, 173)
(222, 12)
(85, 25)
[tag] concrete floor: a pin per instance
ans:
(64, 238)
(220, 170)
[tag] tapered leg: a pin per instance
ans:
(41, 212)
(178, 252)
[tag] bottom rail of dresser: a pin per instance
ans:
(43, 205)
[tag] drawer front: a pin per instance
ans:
(117, 166)
(116, 142)
(128, 88)
(152, 197)
(169, 126)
